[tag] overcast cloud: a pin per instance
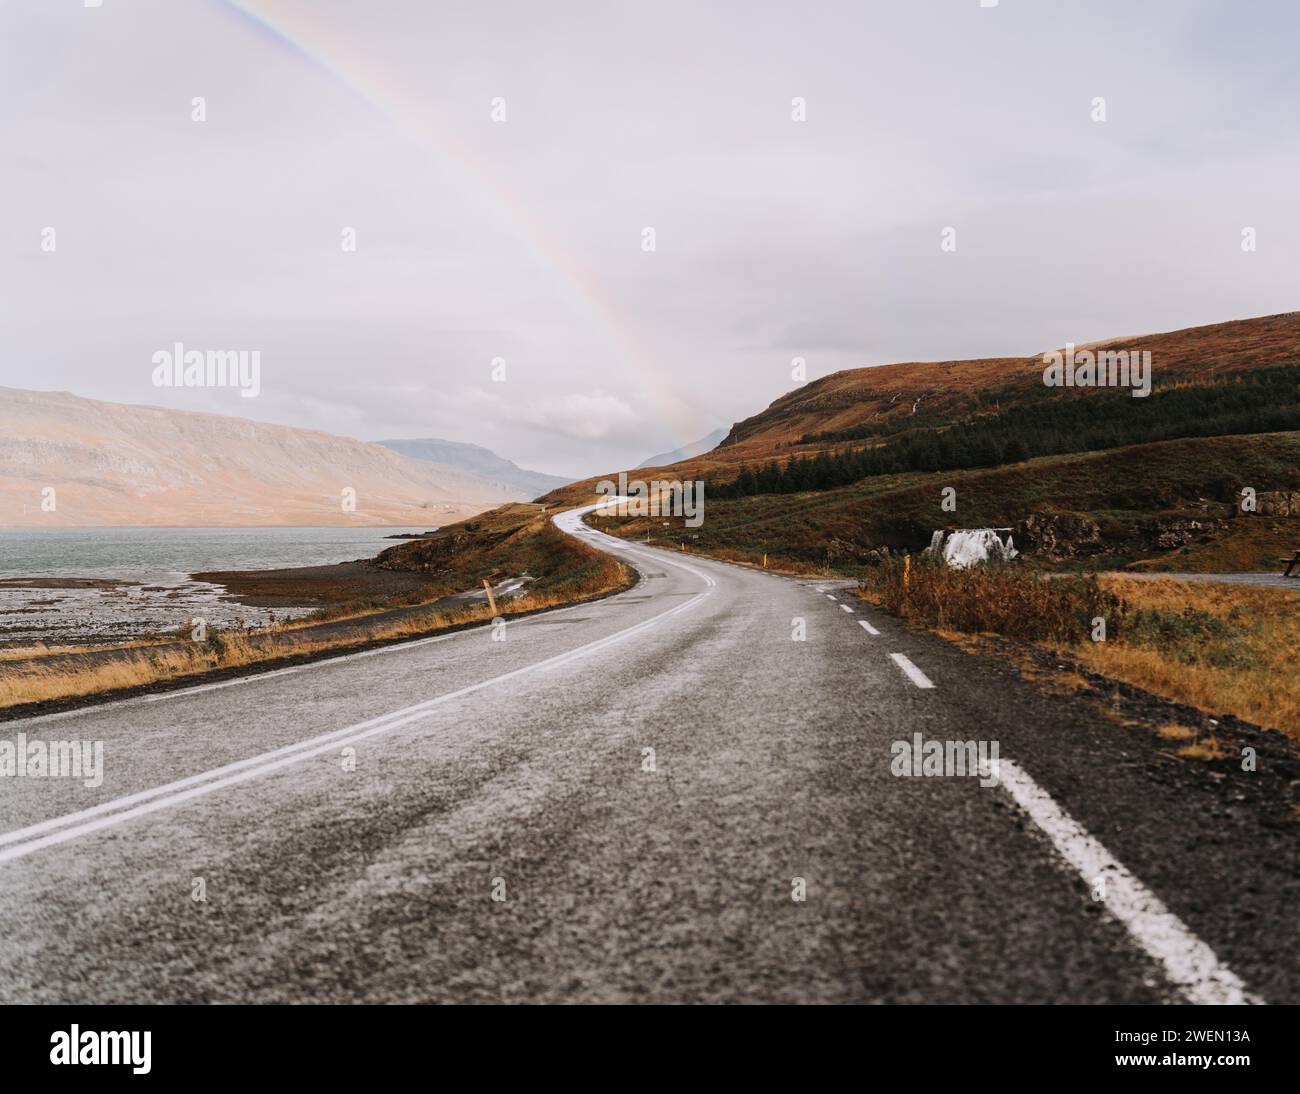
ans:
(522, 239)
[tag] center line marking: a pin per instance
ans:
(913, 673)
(867, 627)
(829, 597)
(846, 607)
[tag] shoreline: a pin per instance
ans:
(315, 586)
(135, 586)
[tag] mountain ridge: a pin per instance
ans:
(477, 460)
(70, 461)
(696, 448)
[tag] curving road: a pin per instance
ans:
(478, 817)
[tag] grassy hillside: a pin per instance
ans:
(1105, 509)
(834, 473)
(894, 398)
(506, 542)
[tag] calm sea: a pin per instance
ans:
(150, 569)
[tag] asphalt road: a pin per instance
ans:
(476, 817)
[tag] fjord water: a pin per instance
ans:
(145, 576)
(143, 553)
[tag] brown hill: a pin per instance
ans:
(1167, 502)
(894, 393)
(940, 392)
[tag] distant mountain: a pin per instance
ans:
(482, 462)
(66, 461)
(696, 448)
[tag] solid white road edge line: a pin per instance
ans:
(1187, 961)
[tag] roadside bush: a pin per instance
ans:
(1005, 600)
(1190, 636)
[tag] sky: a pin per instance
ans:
(499, 164)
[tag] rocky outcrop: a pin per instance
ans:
(877, 556)
(846, 551)
(1278, 503)
(1059, 536)
(1171, 534)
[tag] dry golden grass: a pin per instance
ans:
(1070, 681)
(1113, 715)
(1006, 600)
(1208, 749)
(38, 682)
(1222, 648)
(1248, 544)
(1237, 655)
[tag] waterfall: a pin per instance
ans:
(967, 546)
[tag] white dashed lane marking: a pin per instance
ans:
(913, 673)
(867, 627)
(846, 607)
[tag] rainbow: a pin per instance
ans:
(331, 51)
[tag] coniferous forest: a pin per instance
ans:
(1051, 422)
